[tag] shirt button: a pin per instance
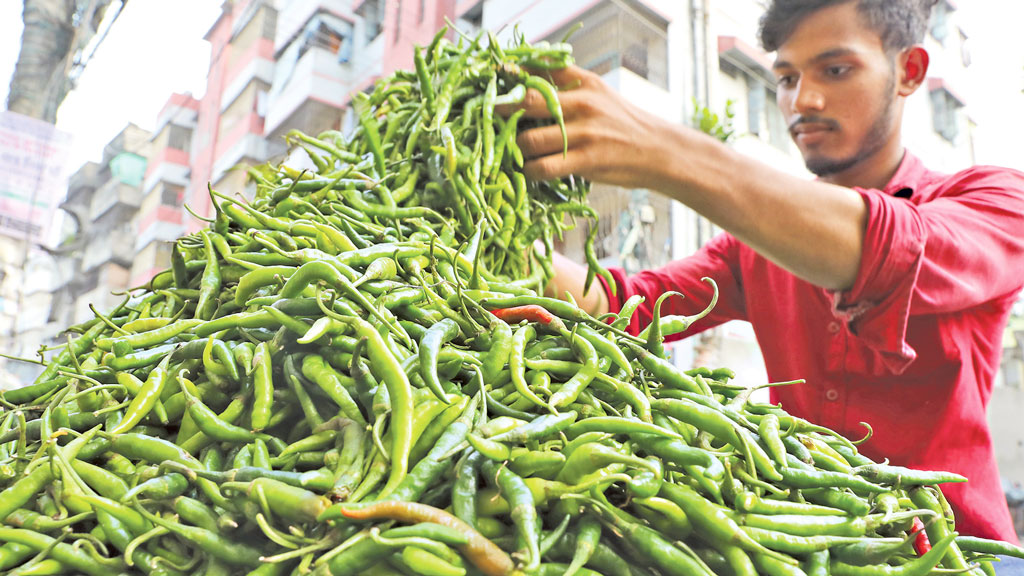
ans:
(832, 395)
(833, 327)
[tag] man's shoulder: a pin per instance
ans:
(986, 172)
(975, 179)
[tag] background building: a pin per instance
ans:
(95, 257)
(161, 217)
(229, 129)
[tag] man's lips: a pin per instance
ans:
(810, 128)
(805, 126)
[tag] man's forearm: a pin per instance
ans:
(570, 277)
(812, 229)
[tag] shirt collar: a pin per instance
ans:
(910, 174)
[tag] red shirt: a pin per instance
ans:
(911, 348)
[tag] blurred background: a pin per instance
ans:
(119, 113)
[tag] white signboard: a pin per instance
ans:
(33, 176)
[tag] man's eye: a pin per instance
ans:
(786, 80)
(836, 71)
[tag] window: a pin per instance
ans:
(472, 20)
(372, 13)
(620, 34)
(946, 106)
(172, 195)
(328, 33)
(939, 25)
(179, 138)
(754, 93)
(756, 106)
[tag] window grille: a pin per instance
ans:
(620, 34)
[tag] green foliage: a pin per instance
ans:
(709, 122)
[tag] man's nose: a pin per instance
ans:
(809, 98)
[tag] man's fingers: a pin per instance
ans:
(533, 106)
(556, 166)
(567, 80)
(541, 141)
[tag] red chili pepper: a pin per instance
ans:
(921, 543)
(530, 312)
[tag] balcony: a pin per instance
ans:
(117, 246)
(180, 109)
(249, 146)
(171, 166)
(86, 177)
(166, 227)
(259, 65)
(111, 194)
(299, 12)
(309, 95)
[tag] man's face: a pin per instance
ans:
(836, 90)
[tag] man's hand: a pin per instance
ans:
(610, 139)
(813, 229)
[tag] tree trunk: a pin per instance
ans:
(49, 42)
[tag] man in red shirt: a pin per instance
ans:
(883, 284)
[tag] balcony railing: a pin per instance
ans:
(318, 77)
(113, 192)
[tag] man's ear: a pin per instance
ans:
(913, 63)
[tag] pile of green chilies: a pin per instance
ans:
(353, 373)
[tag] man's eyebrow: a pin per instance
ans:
(826, 55)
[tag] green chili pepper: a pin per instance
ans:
(146, 399)
(263, 386)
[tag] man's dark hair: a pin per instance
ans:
(900, 23)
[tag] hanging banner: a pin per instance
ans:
(33, 176)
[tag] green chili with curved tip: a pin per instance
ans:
(713, 520)
(663, 554)
(523, 510)
(916, 567)
(217, 546)
(674, 324)
(152, 337)
(68, 555)
(655, 340)
(209, 284)
(430, 348)
(572, 388)
(548, 92)
(389, 370)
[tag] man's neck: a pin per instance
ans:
(872, 173)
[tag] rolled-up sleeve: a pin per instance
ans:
(943, 255)
(717, 260)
